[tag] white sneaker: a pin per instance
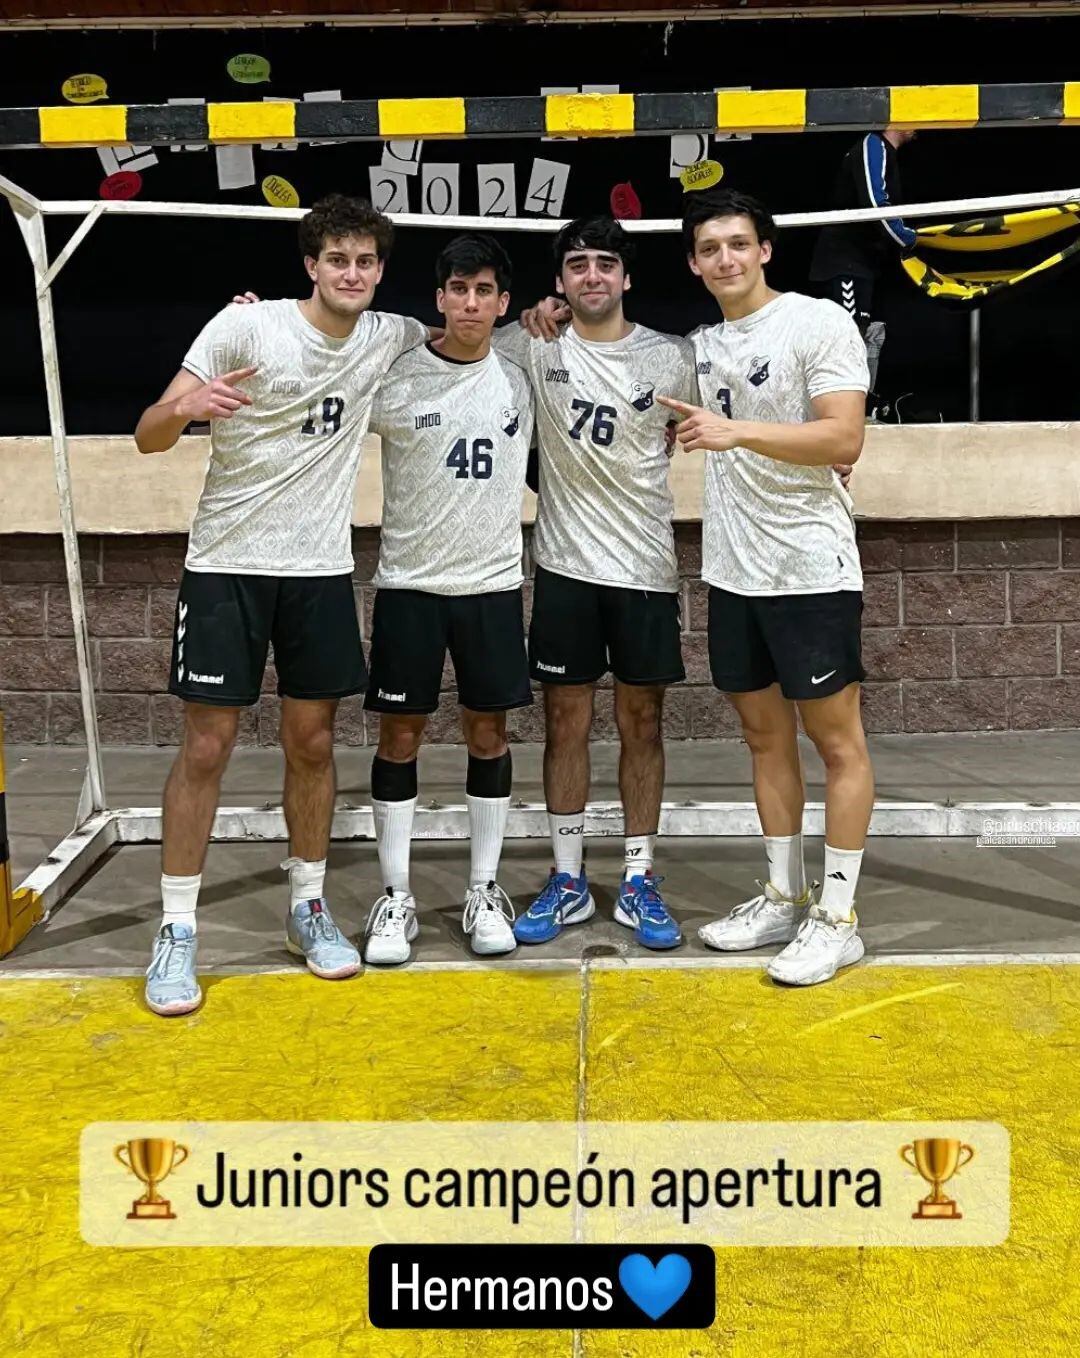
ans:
(818, 950)
(768, 918)
(391, 927)
(488, 920)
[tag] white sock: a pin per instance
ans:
(393, 833)
(178, 897)
(487, 825)
(305, 880)
(567, 841)
(841, 878)
(787, 872)
(638, 857)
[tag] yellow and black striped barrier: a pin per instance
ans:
(578, 115)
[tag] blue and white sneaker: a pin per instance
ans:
(565, 900)
(310, 933)
(171, 984)
(641, 908)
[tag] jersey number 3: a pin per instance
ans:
(480, 465)
(324, 417)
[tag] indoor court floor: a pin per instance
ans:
(968, 1007)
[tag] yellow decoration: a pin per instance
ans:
(84, 89)
(279, 192)
(703, 175)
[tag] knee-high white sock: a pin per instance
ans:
(487, 826)
(178, 898)
(787, 872)
(841, 878)
(393, 833)
(567, 841)
(306, 880)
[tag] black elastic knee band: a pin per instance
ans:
(489, 777)
(392, 782)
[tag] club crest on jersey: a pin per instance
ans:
(759, 371)
(641, 396)
(511, 418)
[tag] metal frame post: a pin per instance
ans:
(974, 354)
(31, 223)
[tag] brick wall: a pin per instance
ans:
(968, 627)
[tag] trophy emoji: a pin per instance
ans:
(937, 1158)
(151, 1159)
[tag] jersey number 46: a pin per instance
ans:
(478, 467)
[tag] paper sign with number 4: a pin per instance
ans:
(547, 188)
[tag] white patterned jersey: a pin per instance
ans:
(279, 485)
(455, 445)
(604, 512)
(772, 527)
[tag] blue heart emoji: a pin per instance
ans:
(654, 1288)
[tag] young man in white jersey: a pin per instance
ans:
(606, 589)
(456, 421)
(783, 382)
(287, 387)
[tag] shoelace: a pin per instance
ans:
(490, 897)
(808, 932)
(388, 915)
(754, 904)
(650, 903)
(548, 900)
(321, 925)
(170, 960)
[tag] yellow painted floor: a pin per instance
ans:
(996, 1043)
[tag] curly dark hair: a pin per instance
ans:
(705, 207)
(336, 216)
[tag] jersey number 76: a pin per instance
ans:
(603, 426)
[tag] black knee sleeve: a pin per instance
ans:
(489, 777)
(392, 782)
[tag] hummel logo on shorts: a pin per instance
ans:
(391, 697)
(206, 678)
(550, 669)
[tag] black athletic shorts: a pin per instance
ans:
(412, 632)
(580, 631)
(225, 624)
(811, 644)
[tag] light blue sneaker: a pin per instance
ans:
(171, 984)
(310, 932)
(641, 908)
(564, 900)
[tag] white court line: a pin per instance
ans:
(572, 964)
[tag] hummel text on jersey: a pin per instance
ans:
(557, 375)
(428, 421)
